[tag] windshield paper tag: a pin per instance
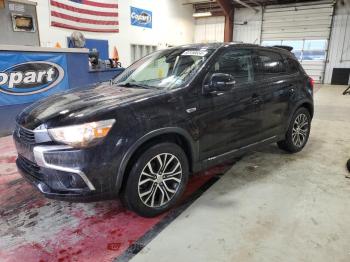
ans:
(195, 53)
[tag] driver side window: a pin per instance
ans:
(236, 63)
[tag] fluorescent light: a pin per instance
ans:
(202, 14)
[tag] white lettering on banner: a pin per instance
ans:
(144, 18)
(30, 77)
(3, 78)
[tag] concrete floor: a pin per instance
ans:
(273, 206)
(34, 228)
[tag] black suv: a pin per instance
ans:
(172, 113)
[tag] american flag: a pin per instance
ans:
(85, 15)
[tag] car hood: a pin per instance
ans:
(81, 104)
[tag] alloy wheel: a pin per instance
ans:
(159, 180)
(300, 130)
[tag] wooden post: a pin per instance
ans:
(228, 10)
(228, 31)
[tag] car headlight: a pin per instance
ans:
(82, 135)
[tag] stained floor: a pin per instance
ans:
(33, 228)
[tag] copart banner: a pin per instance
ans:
(140, 17)
(27, 77)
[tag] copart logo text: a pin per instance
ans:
(30, 78)
(143, 18)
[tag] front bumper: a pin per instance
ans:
(41, 153)
(64, 172)
(54, 180)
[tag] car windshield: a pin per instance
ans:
(166, 69)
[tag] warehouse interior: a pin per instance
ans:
(262, 205)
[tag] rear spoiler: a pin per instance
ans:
(285, 47)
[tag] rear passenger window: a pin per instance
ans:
(236, 63)
(293, 66)
(268, 64)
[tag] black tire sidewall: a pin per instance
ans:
(130, 192)
(289, 137)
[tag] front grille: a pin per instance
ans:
(25, 135)
(29, 167)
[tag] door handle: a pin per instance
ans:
(256, 99)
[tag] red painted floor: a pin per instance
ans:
(33, 228)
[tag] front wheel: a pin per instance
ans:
(157, 180)
(298, 132)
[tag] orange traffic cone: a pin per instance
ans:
(57, 45)
(115, 55)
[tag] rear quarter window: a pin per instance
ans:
(293, 66)
(268, 64)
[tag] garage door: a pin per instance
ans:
(306, 27)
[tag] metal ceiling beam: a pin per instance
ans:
(254, 2)
(226, 6)
(246, 5)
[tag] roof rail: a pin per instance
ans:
(285, 47)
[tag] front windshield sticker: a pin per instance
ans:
(195, 53)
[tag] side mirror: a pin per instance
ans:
(220, 82)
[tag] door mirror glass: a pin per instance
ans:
(220, 82)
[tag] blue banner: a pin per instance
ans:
(27, 77)
(140, 17)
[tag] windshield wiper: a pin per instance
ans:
(133, 84)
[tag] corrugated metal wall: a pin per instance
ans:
(303, 21)
(339, 49)
(317, 18)
(209, 29)
(298, 21)
(247, 25)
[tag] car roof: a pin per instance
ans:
(217, 45)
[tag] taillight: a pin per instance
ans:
(312, 82)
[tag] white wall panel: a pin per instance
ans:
(209, 29)
(314, 69)
(173, 24)
(250, 32)
(339, 49)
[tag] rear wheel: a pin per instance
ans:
(298, 132)
(157, 180)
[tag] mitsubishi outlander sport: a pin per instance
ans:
(172, 113)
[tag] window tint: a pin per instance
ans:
(293, 66)
(268, 64)
(236, 63)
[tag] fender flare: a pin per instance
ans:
(161, 131)
(296, 107)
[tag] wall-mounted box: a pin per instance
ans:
(19, 24)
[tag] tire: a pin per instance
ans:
(298, 132)
(157, 180)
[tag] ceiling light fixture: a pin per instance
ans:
(202, 14)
